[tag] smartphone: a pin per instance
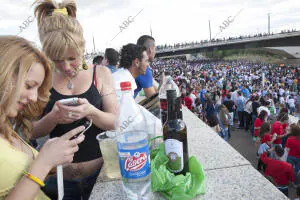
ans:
(87, 125)
(70, 101)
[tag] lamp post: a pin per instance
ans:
(269, 23)
(209, 30)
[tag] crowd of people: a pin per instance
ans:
(255, 97)
(203, 42)
(224, 94)
(32, 85)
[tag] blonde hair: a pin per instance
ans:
(16, 58)
(59, 32)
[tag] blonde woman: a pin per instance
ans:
(61, 36)
(25, 80)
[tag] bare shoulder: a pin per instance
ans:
(104, 79)
(103, 71)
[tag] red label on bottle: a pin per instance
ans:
(135, 162)
(163, 104)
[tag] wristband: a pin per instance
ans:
(33, 178)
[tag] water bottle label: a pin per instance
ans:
(174, 150)
(135, 163)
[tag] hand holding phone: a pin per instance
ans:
(70, 101)
(87, 125)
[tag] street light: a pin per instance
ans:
(269, 14)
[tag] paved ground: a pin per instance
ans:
(242, 142)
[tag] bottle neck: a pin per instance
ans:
(178, 108)
(127, 94)
(173, 109)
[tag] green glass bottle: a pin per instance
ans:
(175, 137)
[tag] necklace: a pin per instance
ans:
(84, 66)
(70, 84)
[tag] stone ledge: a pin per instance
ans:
(228, 174)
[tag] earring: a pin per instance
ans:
(84, 65)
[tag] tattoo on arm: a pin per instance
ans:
(74, 172)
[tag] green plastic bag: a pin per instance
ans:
(173, 187)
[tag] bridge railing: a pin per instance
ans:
(232, 41)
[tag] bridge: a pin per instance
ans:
(284, 44)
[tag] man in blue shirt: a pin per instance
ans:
(246, 92)
(111, 57)
(202, 96)
(240, 104)
(146, 81)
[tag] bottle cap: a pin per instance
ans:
(125, 85)
(171, 94)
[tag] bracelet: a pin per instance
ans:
(33, 178)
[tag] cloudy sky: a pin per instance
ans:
(171, 21)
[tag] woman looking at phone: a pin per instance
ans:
(61, 36)
(24, 84)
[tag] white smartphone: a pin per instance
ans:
(70, 101)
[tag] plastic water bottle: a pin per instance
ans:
(133, 148)
(168, 84)
(134, 159)
(130, 116)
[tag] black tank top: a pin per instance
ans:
(89, 149)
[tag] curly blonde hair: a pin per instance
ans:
(16, 58)
(59, 32)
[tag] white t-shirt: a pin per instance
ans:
(281, 99)
(261, 108)
(287, 98)
(234, 96)
(248, 107)
(123, 75)
(193, 97)
(287, 93)
(291, 102)
(218, 100)
(281, 91)
(259, 93)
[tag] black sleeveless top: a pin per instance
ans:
(89, 149)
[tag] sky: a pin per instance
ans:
(171, 21)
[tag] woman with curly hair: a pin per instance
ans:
(25, 81)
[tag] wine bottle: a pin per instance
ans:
(167, 84)
(175, 137)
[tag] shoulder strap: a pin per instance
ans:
(95, 77)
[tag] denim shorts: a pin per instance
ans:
(77, 189)
(292, 110)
